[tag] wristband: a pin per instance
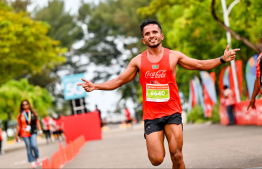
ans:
(40, 131)
(222, 60)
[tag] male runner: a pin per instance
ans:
(161, 104)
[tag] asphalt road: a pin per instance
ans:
(205, 146)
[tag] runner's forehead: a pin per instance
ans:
(151, 27)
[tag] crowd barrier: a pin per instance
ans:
(87, 124)
(242, 115)
(77, 130)
(64, 154)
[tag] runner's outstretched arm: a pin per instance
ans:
(194, 64)
(125, 77)
(254, 94)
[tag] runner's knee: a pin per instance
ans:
(178, 157)
(156, 160)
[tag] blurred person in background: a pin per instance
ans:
(257, 84)
(229, 102)
(99, 111)
(161, 104)
(27, 125)
(57, 128)
(1, 139)
(46, 123)
(128, 116)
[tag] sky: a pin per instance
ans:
(70, 5)
(106, 100)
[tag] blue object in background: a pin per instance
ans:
(250, 73)
(71, 90)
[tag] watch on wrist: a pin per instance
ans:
(222, 60)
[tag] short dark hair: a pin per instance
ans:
(148, 22)
(225, 87)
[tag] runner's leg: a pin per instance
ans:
(174, 135)
(155, 147)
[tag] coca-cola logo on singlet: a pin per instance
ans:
(158, 74)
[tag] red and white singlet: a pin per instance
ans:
(160, 91)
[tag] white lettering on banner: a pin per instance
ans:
(158, 74)
(73, 89)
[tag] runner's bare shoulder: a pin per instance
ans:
(136, 61)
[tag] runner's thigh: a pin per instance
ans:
(155, 145)
(174, 135)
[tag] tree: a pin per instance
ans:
(113, 39)
(25, 46)
(18, 5)
(13, 92)
(252, 7)
(190, 27)
(63, 27)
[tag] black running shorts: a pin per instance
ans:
(155, 125)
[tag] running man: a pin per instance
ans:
(161, 105)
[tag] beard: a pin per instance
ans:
(154, 46)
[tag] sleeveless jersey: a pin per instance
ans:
(160, 91)
(259, 69)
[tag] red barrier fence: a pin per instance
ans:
(87, 124)
(64, 154)
(242, 115)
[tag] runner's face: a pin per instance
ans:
(25, 105)
(152, 36)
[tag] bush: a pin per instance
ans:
(196, 115)
(215, 115)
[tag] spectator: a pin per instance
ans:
(230, 101)
(46, 123)
(1, 139)
(27, 124)
(98, 110)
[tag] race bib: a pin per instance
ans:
(28, 128)
(157, 92)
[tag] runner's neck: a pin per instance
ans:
(155, 52)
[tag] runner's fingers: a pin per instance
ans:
(80, 84)
(237, 49)
(227, 48)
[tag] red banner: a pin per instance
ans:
(87, 124)
(239, 75)
(193, 99)
(221, 85)
(242, 115)
(207, 102)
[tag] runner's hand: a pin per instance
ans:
(229, 54)
(252, 104)
(16, 138)
(88, 86)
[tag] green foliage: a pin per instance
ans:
(196, 115)
(18, 5)
(13, 92)
(111, 24)
(63, 26)
(215, 114)
(25, 46)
